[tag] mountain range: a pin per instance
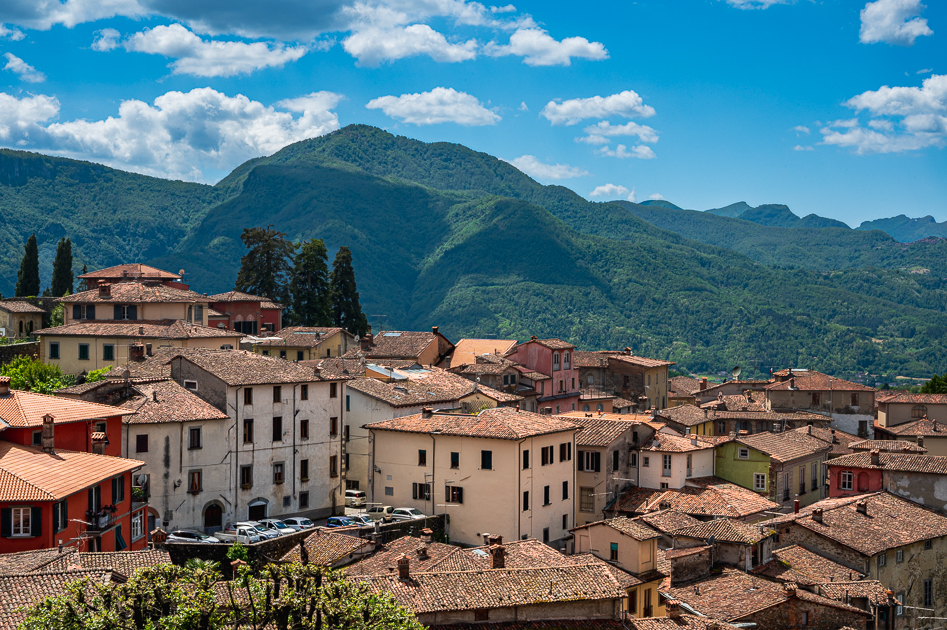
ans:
(443, 235)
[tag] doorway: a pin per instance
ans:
(213, 518)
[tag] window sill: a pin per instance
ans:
(304, 479)
(195, 448)
(277, 483)
(195, 491)
(246, 486)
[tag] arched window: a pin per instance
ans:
(565, 360)
(918, 411)
(600, 407)
(21, 326)
(585, 408)
(555, 361)
(590, 379)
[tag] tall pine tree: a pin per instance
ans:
(346, 310)
(27, 279)
(265, 269)
(309, 285)
(62, 283)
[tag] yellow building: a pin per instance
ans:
(19, 319)
(131, 301)
(306, 343)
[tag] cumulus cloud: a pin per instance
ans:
(25, 71)
(801, 129)
(893, 22)
(205, 58)
(531, 165)
(627, 104)
(12, 33)
(755, 4)
(640, 151)
(656, 197)
(601, 132)
(182, 135)
(613, 191)
(440, 105)
(901, 119)
(538, 48)
(106, 39)
(44, 14)
(371, 46)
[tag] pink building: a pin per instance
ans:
(554, 358)
(856, 474)
(245, 313)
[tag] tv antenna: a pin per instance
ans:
(381, 319)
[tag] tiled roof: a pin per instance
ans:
(131, 270)
(725, 530)
(714, 497)
(786, 446)
(840, 440)
(666, 443)
(123, 562)
(683, 385)
(152, 367)
(873, 590)
(801, 566)
(555, 624)
(325, 548)
(896, 462)
(336, 369)
(735, 402)
(600, 359)
(916, 399)
(600, 431)
(411, 393)
(31, 561)
(300, 336)
(502, 423)
(166, 401)
(748, 384)
(484, 368)
(683, 622)
(733, 595)
(621, 403)
(520, 554)
(887, 446)
(680, 552)
(772, 416)
(634, 528)
(924, 427)
(29, 474)
(890, 522)
(394, 344)
(18, 592)
(666, 521)
(15, 306)
(810, 381)
(145, 329)
(384, 561)
(136, 293)
(687, 415)
(552, 344)
(26, 409)
(466, 351)
(237, 368)
(236, 296)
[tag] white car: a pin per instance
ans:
(184, 535)
(300, 522)
(280, 526)
(406, 514)
(262, 532)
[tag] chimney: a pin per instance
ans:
(875, 457)
(703, 384)
(533, 338)
(499, 556)
(627, 350)
(792, 383)
(154, 395)
(422, 552)
(404, 567)
(434, 329)
(817, 515)
(105, 290)
(862, 507)
(789, 588)
(4, 385)
(427, 535)
(664, 505)
(141, 331)
(427, 412)
(367, 341)
(486, 538)
(920, 439)
(49, 434)
(136, 352)
(496, 539)
(795, 506)
(694, 441)
(672, 608)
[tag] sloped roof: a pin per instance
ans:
(666, 521)
(897, 462)
(665, 443)
(396, 344)
(325, 548)
(131, 270)
(16, 306)
(631, 527)
(887, 446)
(924, 427)
(123, 562)
(840, 440)
(135, 293)
(502, 423)
(873, 590)
(301, 336)
(726, 530)
(916, 399)
(19, 592)
(600, 431)
(237, 296)
(712, 498)
(683, 385)
(26, 409)
(600, 358)
(786, 446)
(144, 329)
(166, 401)
(238, 367)
(687, 415)
(812, 381)
(466, 351)
(801, 566)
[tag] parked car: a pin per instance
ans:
(406, 514)
(268, 530)
(241, 534)
(380, 513)
(300, 522)
(355, 498)
(339, 521)
(263, 533)
(185, 535)
(281, 526)
(359, 519)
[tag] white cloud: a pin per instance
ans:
(43, 14)
(181, 136)
(437, 106)
(801, 129)
(656, 197)
(538, 48)
(372, 45)
(925, 71)
(531, 165)
(627, 104)
(198, 57)
(613, 191)
(14, 34)
(25, 71)
(106, 39)
(523, 107)
(901, 119)
(602, 131)
(800, 147)
(755, 4)
(621, 151)
(893, 22)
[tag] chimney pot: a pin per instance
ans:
(795, 506)
(499, 556)
(703, 384)
(427, 535)
(533, 338)
(672, 608)
(427, 412)
(875, 457)
(49, 434)
(862, 507)
(434, 329)
(817, 515)
(4, 385)
(404, 567)
(367, 341)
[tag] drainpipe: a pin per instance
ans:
(519, 486)
(295, 412)
(236, 453)
(433, 465)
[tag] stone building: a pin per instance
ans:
(850, 405)
(19, 319)
(642, 380)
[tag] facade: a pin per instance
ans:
(642, 380)
(736, 413)
(669, 461)
(245, 313)
(133, 301)
(517, 462)
(553, 358)
(305, 343)
(902, 408)
(919, 478)
(850, 405)
(19, 319)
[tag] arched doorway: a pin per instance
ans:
(213, 518)
(257, 509)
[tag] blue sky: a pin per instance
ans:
(836, 108)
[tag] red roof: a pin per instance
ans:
(26, 409)
(132, 270)
(810, 381)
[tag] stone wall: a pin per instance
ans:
(691, 566)
(791, 534)
(7, 353)
(819, 617)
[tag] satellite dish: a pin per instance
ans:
(737, 371)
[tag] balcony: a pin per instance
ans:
(99, 522)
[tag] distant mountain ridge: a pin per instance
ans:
(907, 230)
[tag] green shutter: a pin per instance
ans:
(36, 521)
(6, 522)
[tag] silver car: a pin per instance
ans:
(190, 536)
(406, 514)
(300, 522)
(282, 527)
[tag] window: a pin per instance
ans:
(586, 500)
(138, 525)
(645, 461)
(389, 491)
(633, 460)
(545, 534)
(347, 467)
(787, 483)
(804, 618)
(118, 489)
(304, 429)
(565, 521)
(928, 544)
(304, 392)
(882, 560)
(743, 453)
(482, 614)
(547, 453)
(929, 592)
(333, 426)
(899, 556)
(277, 393)
(333, 465)
(304, 470)
(615, 458)
(846, 480)
(633, 602)
(141, 443)
(303, 500)
(194, 438)
(422, 457)
(525, 500)
(191, 385)
(802, 480)
(83, 351)
(282, 354)
(525, 460)
(248, 396)
(546, 497)
(347, 400)
(555, 361)
(590, 461)
(666, 466)
(246, 476)
(455, 460)
(247, 430)
(345, 433)
(454, 494)
(759, 482)
(854, 402)
(421, 491)
(565, 490)
(815, 475)
(613, 552)
(918, 411)
(53, 349)
(60, 516)
(194, 481)
(37, 438)
(721, 427)
(278, 469)
(108, 352)
(333, 390)
(299, 355)
(565, 452)
(664, 485)
(486, 460)
(816, 399)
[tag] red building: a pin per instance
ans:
(249, 314)
(856, 474)
(554, 358)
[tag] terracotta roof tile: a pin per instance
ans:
(896, 462)
(726, 530)
(683, 385)
(687, 415)
(236, 296)
(666, 521)
(924, 427)
(32, 561)
(712, 498)
(430, 386)
(26, 409)
(166, 401)
(325, 548)
(680, 552)
(300, 337)
(887, 446)
(238, 367)
(135, 293)
(18, 592)
(598, 431)
(801, 566)
(666, 443)
(16, 306)
(131, 270)
(123, 562)
(395, 344)
(502, 423)
(557, 624)
(916, 399)
(384, 561)
(873, 590)
(144, 329)
(632, 527)
(840, 440)
(600, 359)
(683, 622)
(466, 351)
(811, 381)
(786, 446)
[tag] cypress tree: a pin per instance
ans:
(346, 310)
(309, 286)
(27, 279)
(83, 285)
(265, 269)
(62, 282)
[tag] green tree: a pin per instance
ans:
(58, 315)
(309, 286)
(937, 385)
(27, 279)
(83, 285)
(28, 374)
(265, 269)
(62, 282)
(346, 310)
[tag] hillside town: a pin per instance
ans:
(482, 483)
